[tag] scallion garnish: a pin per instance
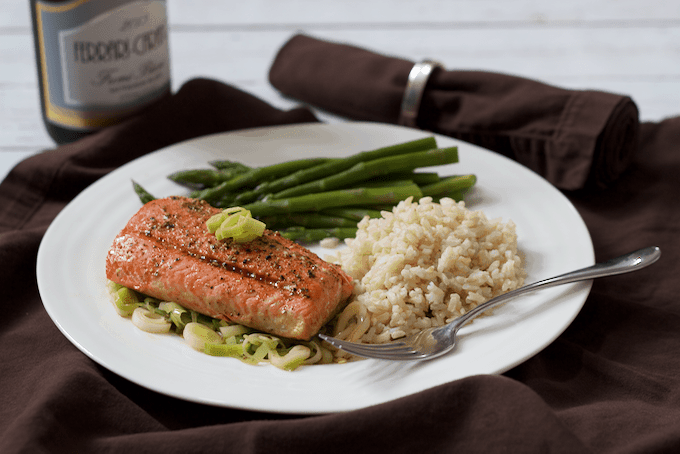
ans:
(236, 223)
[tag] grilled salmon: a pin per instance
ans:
(271, 283)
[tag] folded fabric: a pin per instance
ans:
(572, 138)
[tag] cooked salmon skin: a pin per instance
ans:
(271, 284)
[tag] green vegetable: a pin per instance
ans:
(309, 220)
(256, 347)
(455, 195)
(179, 316)
(228, 350)
(331, 199)
(386, 183)
(369, 170)
(230, 331)
(236, 223)
(423, 178)
(198, 336)
(143, 194)
(126, 301)
(353, 213)
(291, 359)
(449, 186)
(205, 178)
(254, 176)
(229, 165)
(305, 235)
(334, 167)
(419, 178)
(150, 321)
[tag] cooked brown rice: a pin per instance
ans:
(422, 265)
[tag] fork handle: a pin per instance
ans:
(619, 265)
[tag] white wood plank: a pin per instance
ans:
(14, 16)
(17, 58)
(256, 14)
(397, 13)
(22, 127)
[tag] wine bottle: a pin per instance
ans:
(99, 62)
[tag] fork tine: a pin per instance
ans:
(369, 349)
(397, 346)
(378, 347)
(389, 356)
(396, 351)
(378, 354)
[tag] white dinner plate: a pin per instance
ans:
(72, 281)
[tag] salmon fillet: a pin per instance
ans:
(271, 284)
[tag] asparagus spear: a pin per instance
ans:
(143, 194)
(377, 183)
(206, 178)
(256, 175)
(306, 235)
(419, 178)
(455, 195)
(424, 178)
(384, 207)
(226, 165)
(309, 220)
(330, 199)
(353, 213)
(369, 170)
(449, 185)
(331, 168)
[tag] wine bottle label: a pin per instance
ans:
(101, 60)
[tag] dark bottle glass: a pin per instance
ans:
(98, 61)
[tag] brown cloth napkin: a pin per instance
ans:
(609, 384)
(572, 138)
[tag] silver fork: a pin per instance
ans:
(433, 342)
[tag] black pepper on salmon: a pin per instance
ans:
(270, 283)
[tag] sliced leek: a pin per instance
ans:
(215, 337)
(229, 350)
(125, 301)
(178, 315)
(295, 357)
(198, 335)
(233, 331)
(236, 223)
(150, 322)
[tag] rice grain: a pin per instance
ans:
(425, 263)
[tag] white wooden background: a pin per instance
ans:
(623, 46)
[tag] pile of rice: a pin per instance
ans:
(424, 264)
